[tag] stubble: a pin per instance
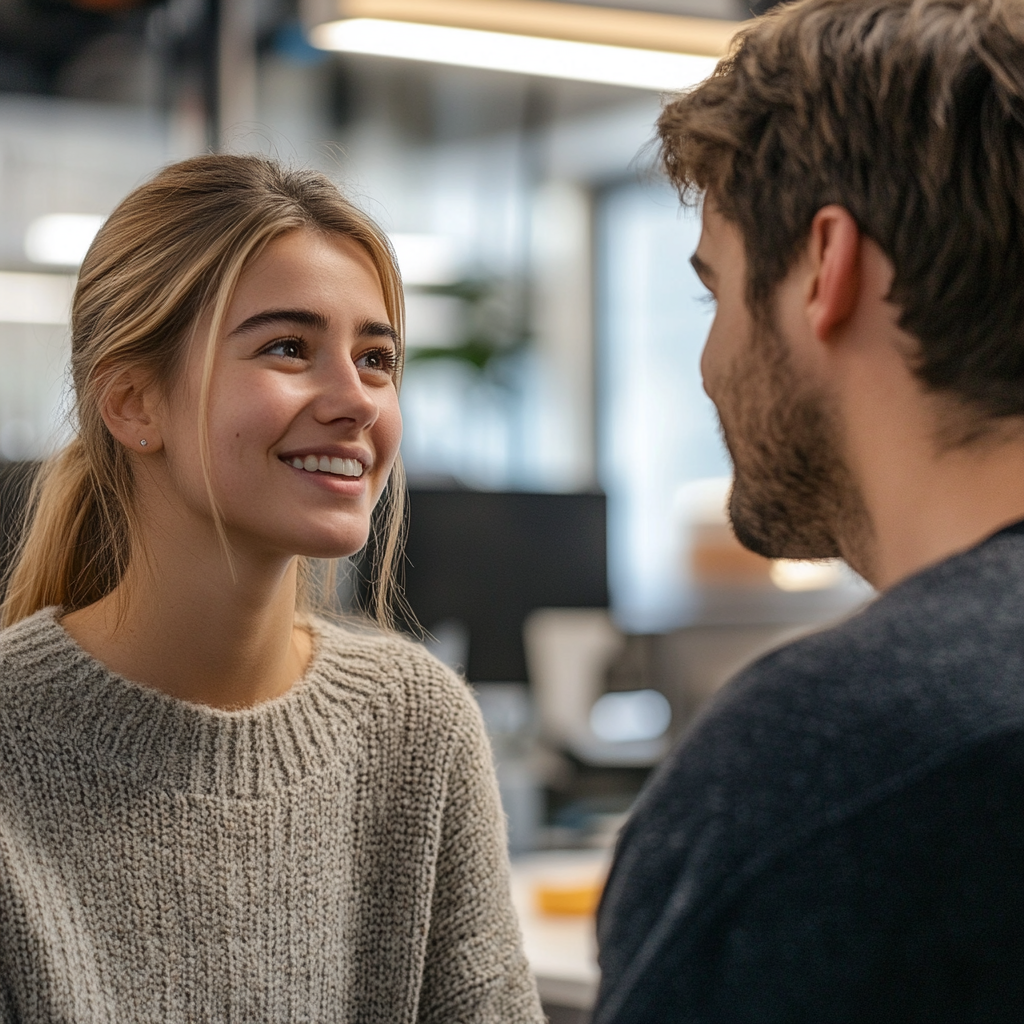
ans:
(793, 495)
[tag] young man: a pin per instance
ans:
(841, 836)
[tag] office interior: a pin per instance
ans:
(568, 548)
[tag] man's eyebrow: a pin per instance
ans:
(704, 271)
(304, 317)
(378, 329)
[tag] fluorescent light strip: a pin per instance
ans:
(527, 55)
(35, 298)
(584, 23)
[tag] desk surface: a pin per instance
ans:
(562, 950)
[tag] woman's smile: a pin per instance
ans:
(320, 467)
(327, 464)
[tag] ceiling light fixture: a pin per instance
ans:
(426, 259)
(61, 239)
(639, 49)
(528, 55)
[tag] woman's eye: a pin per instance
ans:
(382, 360)
(290, 348)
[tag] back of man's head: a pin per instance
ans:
(908, 113)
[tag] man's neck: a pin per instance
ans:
(928, 501)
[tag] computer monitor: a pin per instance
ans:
(486, 559)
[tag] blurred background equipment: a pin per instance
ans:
(569, 548)
(478, 562)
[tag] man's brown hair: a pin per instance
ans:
(908, 113)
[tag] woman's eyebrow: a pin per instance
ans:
(378, 329)
(304, 317)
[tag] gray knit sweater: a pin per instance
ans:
(336, 854)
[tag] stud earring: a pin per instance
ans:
(143, 442)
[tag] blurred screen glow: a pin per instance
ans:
(630, 716)
(61, 239)
(528, 55)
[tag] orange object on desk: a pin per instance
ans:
(576, 899)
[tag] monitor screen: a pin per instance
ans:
(485, 560)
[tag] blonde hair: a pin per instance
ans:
(171, 251)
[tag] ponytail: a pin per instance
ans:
(75, 548)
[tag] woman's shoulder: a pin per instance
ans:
(394, 670)
(33, 645)
(40, 667)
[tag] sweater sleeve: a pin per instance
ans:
(476, 971)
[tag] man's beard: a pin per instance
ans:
(793, 495)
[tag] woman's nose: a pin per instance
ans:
(342, 395)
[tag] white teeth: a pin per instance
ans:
(346, 467)
(325, 464)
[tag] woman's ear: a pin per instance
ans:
(129, 412)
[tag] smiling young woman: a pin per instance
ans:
(217, 805)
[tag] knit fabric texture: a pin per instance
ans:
(336, 854)
(840, 837)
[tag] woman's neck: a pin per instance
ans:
(204, 632)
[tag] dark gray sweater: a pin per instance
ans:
(841, 836)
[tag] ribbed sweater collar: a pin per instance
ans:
(75, 705)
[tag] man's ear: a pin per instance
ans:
(129, 412)
(834, 252)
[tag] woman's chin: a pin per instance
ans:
(265, 543)
(332, 547)
(327, 554)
